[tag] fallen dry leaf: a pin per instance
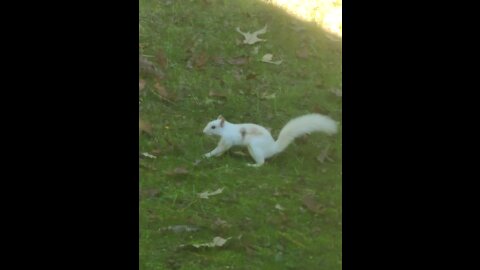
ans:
(237, 74)
(156, 151)
(162, 59)
(251, 38)
(144, 127)
(206, 194)
(239, 153)
(200, 60)
(145, 154)
(337, 92)
(147, 66)
(216, 242)
(297, 28)
(197, 162)
(312, 205)
(148, 167)
(251, 76)
(149, 193)
(324, 155)
(209, 101)
(333, 37)
(141, 84)
(219, 223)
(178, 171)
(279, 207)
(180, 228)
(320, 110)
(219, 60)
(161, 90)
(267, 58)
(265, 96)
(303, 53)
(241, 60)
(216, 94)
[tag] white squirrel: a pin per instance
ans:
(258, 139)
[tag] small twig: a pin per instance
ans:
(192, 202)
(166, 99)
(292, 240)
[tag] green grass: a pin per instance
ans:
(263, 237)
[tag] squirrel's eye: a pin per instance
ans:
(213, 127)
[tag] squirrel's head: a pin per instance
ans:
(215, 127)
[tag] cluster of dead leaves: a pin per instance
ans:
(252, 38)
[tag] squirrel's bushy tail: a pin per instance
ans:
(304, 125)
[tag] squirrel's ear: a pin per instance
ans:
(222, 120)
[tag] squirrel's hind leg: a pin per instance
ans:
(257, 154)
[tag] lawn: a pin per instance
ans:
(286, 214)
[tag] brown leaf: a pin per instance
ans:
(312, 205)
(145, 127)
(220, 224)
(337, 92)
(200, 60)
(156, 151)
(178, 171)
(303, 53)
(144, 64)
(147, 66)
(216, 94)
(161, 90)
(219, 60)
(162, 59)
(180, 228)
(251, 76)
(241, 60)
(141, 84)
(320, 110)
(239, 153)
(152, 192)
(148, 167)
(237, 75)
